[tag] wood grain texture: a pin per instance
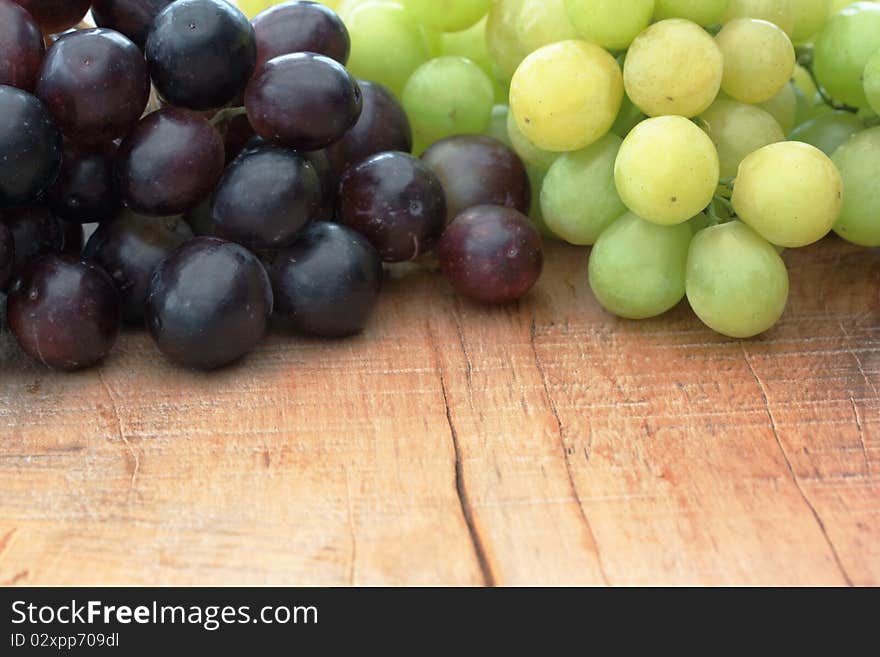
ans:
(541, 443)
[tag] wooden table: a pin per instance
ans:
(542, 443)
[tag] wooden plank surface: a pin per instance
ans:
(542, 443)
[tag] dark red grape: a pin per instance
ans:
(131, 17)
(30, 147)
(35, 232)
(265, 197)
(208, 303)
(95, 83)
(397, 202)
(305, 101)
(382, 126)
(129, 248)
(200, 220)
(293, 27)
(72, 237)
(171, 160)
(201, 53)
(237, 132)
(21, 47)
(85, 190)
(7, 255)
(327, 282)
(64, 312)
(491, 254)
(478, 170)
(56, 15)
(329, 183)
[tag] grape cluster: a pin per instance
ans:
(235, 175)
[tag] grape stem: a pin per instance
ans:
(226, 115)
(805, 59)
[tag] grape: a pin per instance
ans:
(637, 268)
(859, 163)
(536, 216)
(85, 190)
(736, 282)
(132, 18)
(565, 96)
(627, 119)
(327, 282)
(448, 96)
(155, 164)
(95, 84)
(294, 27)
(531, 155)
(374, 28)
(783, 107)
(471, 43)
(397, 202)
(129, 248)
(702, 12)
(208, 303)
(498, 123)
(578, 197)
(542, 22)
(382, 126)
(790, 193)
(612, 24)
(829, 131)
(35, 231)
(738, 129)
(667, 170)
(809, 17)
(265, 197)
(7, 256)
(450, 15)
(21, 47)
(30, 147)
(673, 67)
(759, 59)
(502, 38)
(872, 81)
(778, 12)
(64, 312)
(843, 49)
(491, 254)
(803, 81)
(237, 133)
(56, 15)
(477, 170)
(305, 101)
(201, 53)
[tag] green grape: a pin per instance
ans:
(578, 198)
(843, 49)
(498, 124)
(783, 107)
(736, 282)
(809, 17)
(779, 12)
(374, 27)
(737, 130)
(859, 163)
(759, 59)
(448, 15)
(673, 67)
(542, 22)
(638, 269)
(448, 96)
(790, 193)
(501, 36)
(667, 170)
(536, 179)
(628, 118)
(702, 12)
(803, 80)
(530, 154)
(471, 43)
(612, 24)
(872, 81)
(565, 96)
(828, 132)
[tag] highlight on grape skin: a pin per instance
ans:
(687, 142)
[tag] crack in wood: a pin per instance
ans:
(791, 470)
(565, 456)
(122, 437)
